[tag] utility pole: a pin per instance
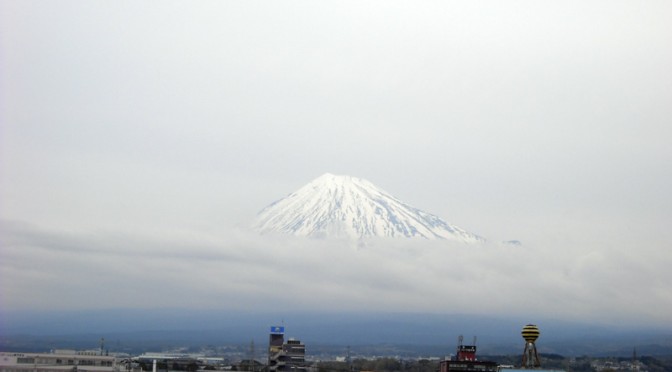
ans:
(252, 356)
(349, 360)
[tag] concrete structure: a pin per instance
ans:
(285, 356)
(465, 360)
(57, 361)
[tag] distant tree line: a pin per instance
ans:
(549, 361)
(380, 365)
(390, 364)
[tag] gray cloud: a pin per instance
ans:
(137, 138)
(51, 271)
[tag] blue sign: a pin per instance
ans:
(278, 329)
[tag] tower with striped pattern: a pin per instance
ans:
(530, 334)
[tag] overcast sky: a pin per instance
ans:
(153, 132)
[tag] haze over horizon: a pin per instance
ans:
(138, 139)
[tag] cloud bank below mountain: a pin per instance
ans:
(239, 270)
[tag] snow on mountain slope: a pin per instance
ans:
(345, 206)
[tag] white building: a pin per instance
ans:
(57, 361)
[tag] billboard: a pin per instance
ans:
(278, 330)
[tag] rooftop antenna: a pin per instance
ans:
(348, 359)
(252, 355)
(102, 345)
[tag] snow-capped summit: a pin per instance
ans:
(345, 206)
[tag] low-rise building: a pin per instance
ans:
(57, 361)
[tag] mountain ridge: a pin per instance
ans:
(155, 328)
(346, 206)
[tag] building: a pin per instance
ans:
(57, 361)
(285, 356)
(465, 361)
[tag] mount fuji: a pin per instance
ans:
(345, 206)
